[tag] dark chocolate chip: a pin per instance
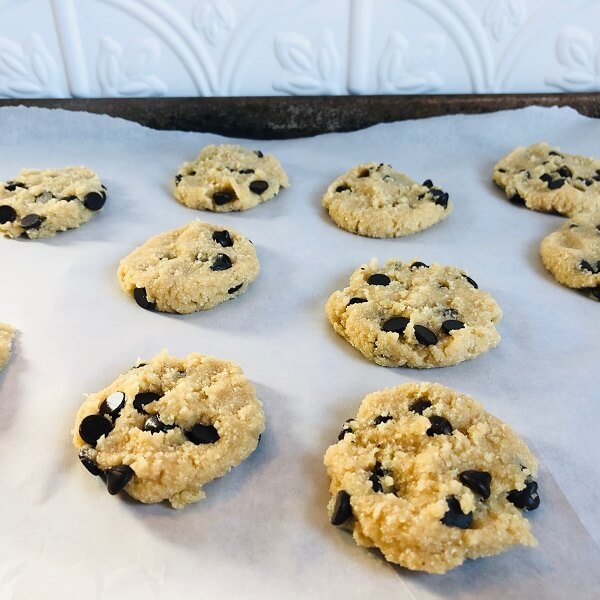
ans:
(440, 197)
(7, 214)
(259, 153)
(501, 170)
(378, 279)
(223, 238)
(396, 325)
(527, 498)
(223, 197)
(202, 434)
(93, 427)
(573, 225)
(11, 186)
(471, 281)
(588, 182)
(565, 172)
(235, 288)
(451, 325)
(117, 478)
(454, 516)
(258, 186)
(450, 312)
(516, 199)
(419, 406)
(342, 509)
(32, 221)
(382, 419)
(113, 404)
(222, 262)
(69, 198)
(245, 171)
(89, 463)
(342, 188)
(594, 293)
(144, 398)
(584, 265)
(143, 364)
(546, 177)
(552, 153)
(94, 201)
(417, 265)
(178, 177)
(376, 476)
(44, 197)
(154, 425)
(345, 429)
(428, 183)
(477, 481)
(364, 173)
(140, 296)
(425, 336)
(557, 183)
(439, 426)
(356, 301)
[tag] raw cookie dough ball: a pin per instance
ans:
(165, 428)
(194, 267)
(572, 254)
(415, 315)
(227, 178)
(38, 203)
(430, 478)
(376, 201)
(545, 179)
(6, 337)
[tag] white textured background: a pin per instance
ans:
(89, 48)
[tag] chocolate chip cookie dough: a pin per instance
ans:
(430, 478)
(165, 428)
(376, 201)
(415, 315)
(38, 203)
(6, 337)
(194, 267)
(545, 179)
(228, 178)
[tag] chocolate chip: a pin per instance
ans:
(117, 478)
(342, 509)
(451, 325)
(565, 172)
(178, 177)
(516, 199)
(345, 429)
(140, 296)
(93, 427)
(573, 225)
(376, 477)
(471, 281)
(455, 517)
(154, 425)
(418, 265)
(557, 183)
(419, 406)
(382, 419)
(223, 238)
(356, 301)
(425, 336)
(245, 171)
(439, 426)
(202, 434)
(594, 293)
(258, 186)
(94, 201)
(545, 177)
(223, 197)
(113, 404)
(11, 186)
(69, 198)
(144, 398)
(342, 188)
(501, 170)
(7, 214)
(584, 265)
(588, 182)
(477, 481)
(143, 364)
(552, 153)
(89, 463)
(235, 288)
(440, 197)
(428, 183)
(378, 279)
(527, 498)
(396, 325)
(32, 221)
(222, 262)
(259, 153)
(44, 197)
(364, 173)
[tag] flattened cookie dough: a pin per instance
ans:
(38, 203)
(165, 428)
(572, 254)
(545, 179)
(194, 267)
(430, 478)
(415, 315)
(227, 178)
(6, 337)
(376, 201)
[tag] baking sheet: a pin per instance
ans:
(263, 530)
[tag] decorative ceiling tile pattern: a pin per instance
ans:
(92, 48)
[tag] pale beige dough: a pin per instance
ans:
(229, 178)
(188, 269)
(166, 464)
(426, 297)
(545, 179)
(6, 338)
(376, 201)
(61, 198)
(405, 487)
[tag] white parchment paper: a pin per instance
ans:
(263, 532)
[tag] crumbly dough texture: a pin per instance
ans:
(376, 201)
(430, 297)
(572, 254)
(228, 178)
(545, 179)
(61, 198)
(6, 337)
(387, 447)
(186, 269)
(166, 464)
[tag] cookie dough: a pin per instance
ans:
(194, 267)
(430, 478)
(572, 254)
(227, 178)
(38, 203)
(415, 315)
(165, 428)
(6, 337)
(545, 179)
(376, 201)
